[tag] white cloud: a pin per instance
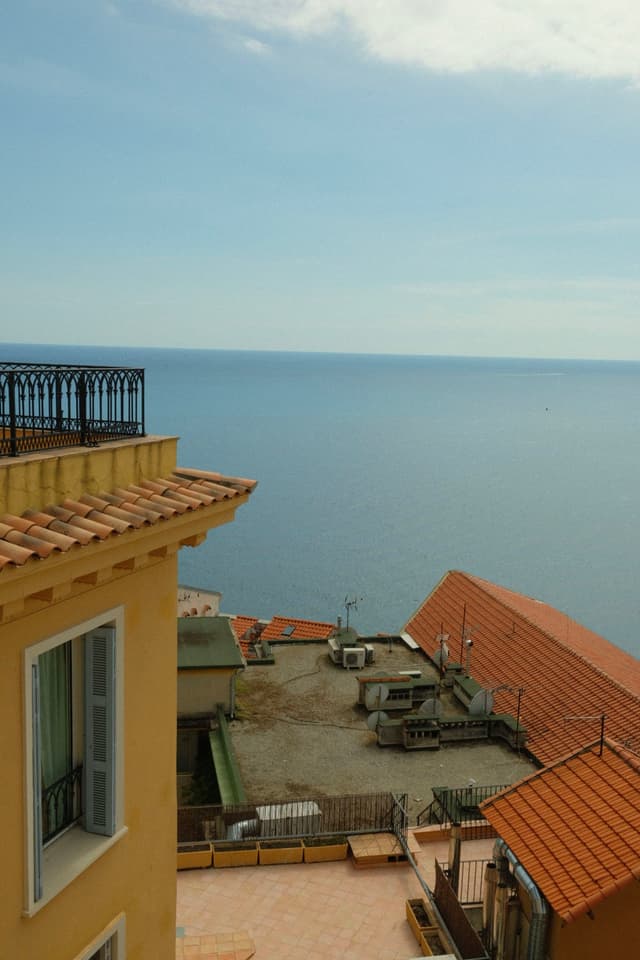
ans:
(579, 37)
(255, 46)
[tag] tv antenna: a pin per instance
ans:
(348, 604)
(467, 643)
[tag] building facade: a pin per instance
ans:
(89, 540)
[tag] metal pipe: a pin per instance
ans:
(488, 898)
(540, 910)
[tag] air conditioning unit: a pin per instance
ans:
(370, 653)
(335, 650)
(353, 657)
(289, 819)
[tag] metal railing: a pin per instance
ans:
(470, 880)
(309, 816)
(457, 804)
(46, 406)
(61, 804)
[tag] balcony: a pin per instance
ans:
(48, 406)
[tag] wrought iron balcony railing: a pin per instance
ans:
(61, 804)
(46, 406)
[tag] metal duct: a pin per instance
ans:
(488, 898)
(540, 910)
(242, 829)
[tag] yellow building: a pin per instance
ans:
(89, 537)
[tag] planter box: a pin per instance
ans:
(417, 917)
(235, 853)
(280, 851)
(194, 855)
(322, 849)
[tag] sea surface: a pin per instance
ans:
(377, 474)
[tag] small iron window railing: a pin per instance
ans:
(46, 406)
(61, 804)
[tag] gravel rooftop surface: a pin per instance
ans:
(299, 732)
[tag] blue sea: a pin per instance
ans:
(380, 473)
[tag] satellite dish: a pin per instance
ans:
(441, 655)
(376, 718)
(481, 703)
(430, 708)
(375, 695)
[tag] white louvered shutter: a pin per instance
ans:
(100, 731)
(37, 782)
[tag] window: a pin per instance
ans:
(109, 944)
(74, 768)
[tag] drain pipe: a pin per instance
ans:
(540, 910)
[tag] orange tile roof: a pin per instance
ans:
(241, 626)
(575, 826)
(613, 661)
(558, 674)
(302, 629)
(74, 523)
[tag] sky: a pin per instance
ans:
(402, 176)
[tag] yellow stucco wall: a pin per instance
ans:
(137, 875)
(37, 479)
(613, 931)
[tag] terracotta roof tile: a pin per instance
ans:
(617, 663)
(50, 536)
(579, 845)
(76, 522)
(558, 678)
(302, 629)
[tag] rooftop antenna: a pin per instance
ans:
(463, 628)
(598, 716)
(348, 604)
(468, 644)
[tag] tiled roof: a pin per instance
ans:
(302, 629)
(618, 664)
(55, 528)
(575, 827)
(559, 676)
(241, 627)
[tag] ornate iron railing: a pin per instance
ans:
(46, 406)
(61, 804)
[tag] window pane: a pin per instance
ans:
(55, 730)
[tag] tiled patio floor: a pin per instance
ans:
(319, 911)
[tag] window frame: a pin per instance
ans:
(66, 856)
(116, 933)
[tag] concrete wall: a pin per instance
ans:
(33, 480)
(200, 691)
